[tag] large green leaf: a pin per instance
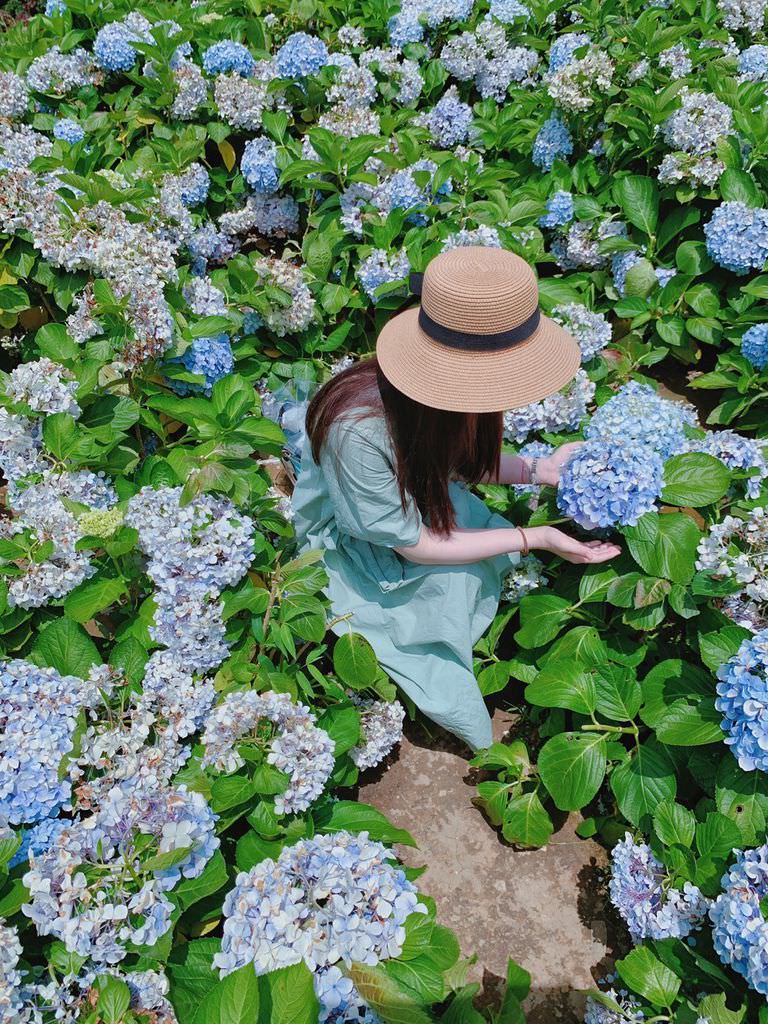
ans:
(192, 975)
(690, 725)
(93, 596)
(717, 836)
(354, 661)
(648, 976)
(642, 782)
(418, 976)
(542, 616)
(638, 197)
(572, 767)
(563, 684)
(695, 479)
(386, 996)
(526, 822)
(292, 996)
(232, 1000)
(65, 646)
(671, 682)
(664, 545)
(674, 824)
(743, 797)
(350, 816)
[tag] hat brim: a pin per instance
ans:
(458, 380)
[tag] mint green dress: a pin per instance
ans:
(421, 620)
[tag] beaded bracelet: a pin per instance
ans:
(526, 549)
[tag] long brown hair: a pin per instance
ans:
(431, 446)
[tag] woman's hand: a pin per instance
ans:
(549, 467)
(576, 551)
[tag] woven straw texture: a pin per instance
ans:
(480, 291)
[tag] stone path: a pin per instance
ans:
(542, 907)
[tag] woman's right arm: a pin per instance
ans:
(464, 546)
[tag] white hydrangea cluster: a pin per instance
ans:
(195, 551)
(62, 73)
(381, 723)
(204, 298)
(737, 549)
(274, 216)
(20, 145)
(280, 274)
(591, 330)
(328, 899)
(191, 90)
(396, 71)
(82, 325)
(482, 235)
(562, 411)
(44, 386)
(299, 747)
(486, 57)
(241, 102)
(11, 996)
(522, 578)
(574, 85)
(97, 888)
(14, 95)
(693, 132)
(743, 14)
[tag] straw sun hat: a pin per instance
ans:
(477, 342)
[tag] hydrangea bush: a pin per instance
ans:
(207, 207)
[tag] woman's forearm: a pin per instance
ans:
(464, 546)
(513, 469)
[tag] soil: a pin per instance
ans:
(547, 909)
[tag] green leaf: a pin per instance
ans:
(743, 797)
(386, 997)
(354, 661)
(674, 823)
(191, 890)
(694, 479)
(542, 616)
(617, 694)
(739, 187)
(348, 815)
(643, 781)
(717, 836)
(230, 791)
(293, 995)
(60, 434)
(114, 998)
(692, 259)
(342, 723)
(8, 848)
(131, 657)
(53, 341)
(640, 279)
(13, 299)
(690, 725)
(419, 976)
(232, 1000)
(563, 684)
(638, 197)
(716, 648)
(65, 646)
(713, 1010)
(648, 976)
(671, 683)
(93, 596)
(526, 823)
(664, 545)
(572, 767)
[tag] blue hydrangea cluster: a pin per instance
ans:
(450, 121)
(405, 28)
(636, 413)
(508, 11)
(39, 710)
(193, 185)
(36, 840)
(753, 63)
(259, 166)
(401, 191)
(559, 210)
(648, 905)
(609, 483)
(562, 50)
(251, 323)
(211, 358)
(754, 346)
(737, 237)
(382, 268)
(742, 699)
(68, 130)
(228, 56)
(553, 142)
(301, 55)
(740, 929)
(112, 47)
(53, 7)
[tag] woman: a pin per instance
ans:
(414, 559)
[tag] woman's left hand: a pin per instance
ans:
(548, 469)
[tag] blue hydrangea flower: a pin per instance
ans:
(380, 268)
(405, 28)
(211, 358)
(610, 482)
(508, 11)
(742, 699)
(450, 120)
(553, 142)
(301, 55)
(259, 166)
(753, 63)
(251, 323)
(112, 47)
(227, 56)
(559, 210)
(38, 839)
(68, 131)
(754, 346)
(737, 237)
(740, 930)
(636, 413)
(562, 50)
(53, 7)
(194, 184)
(650, 908)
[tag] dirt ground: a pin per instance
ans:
(545, 908)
